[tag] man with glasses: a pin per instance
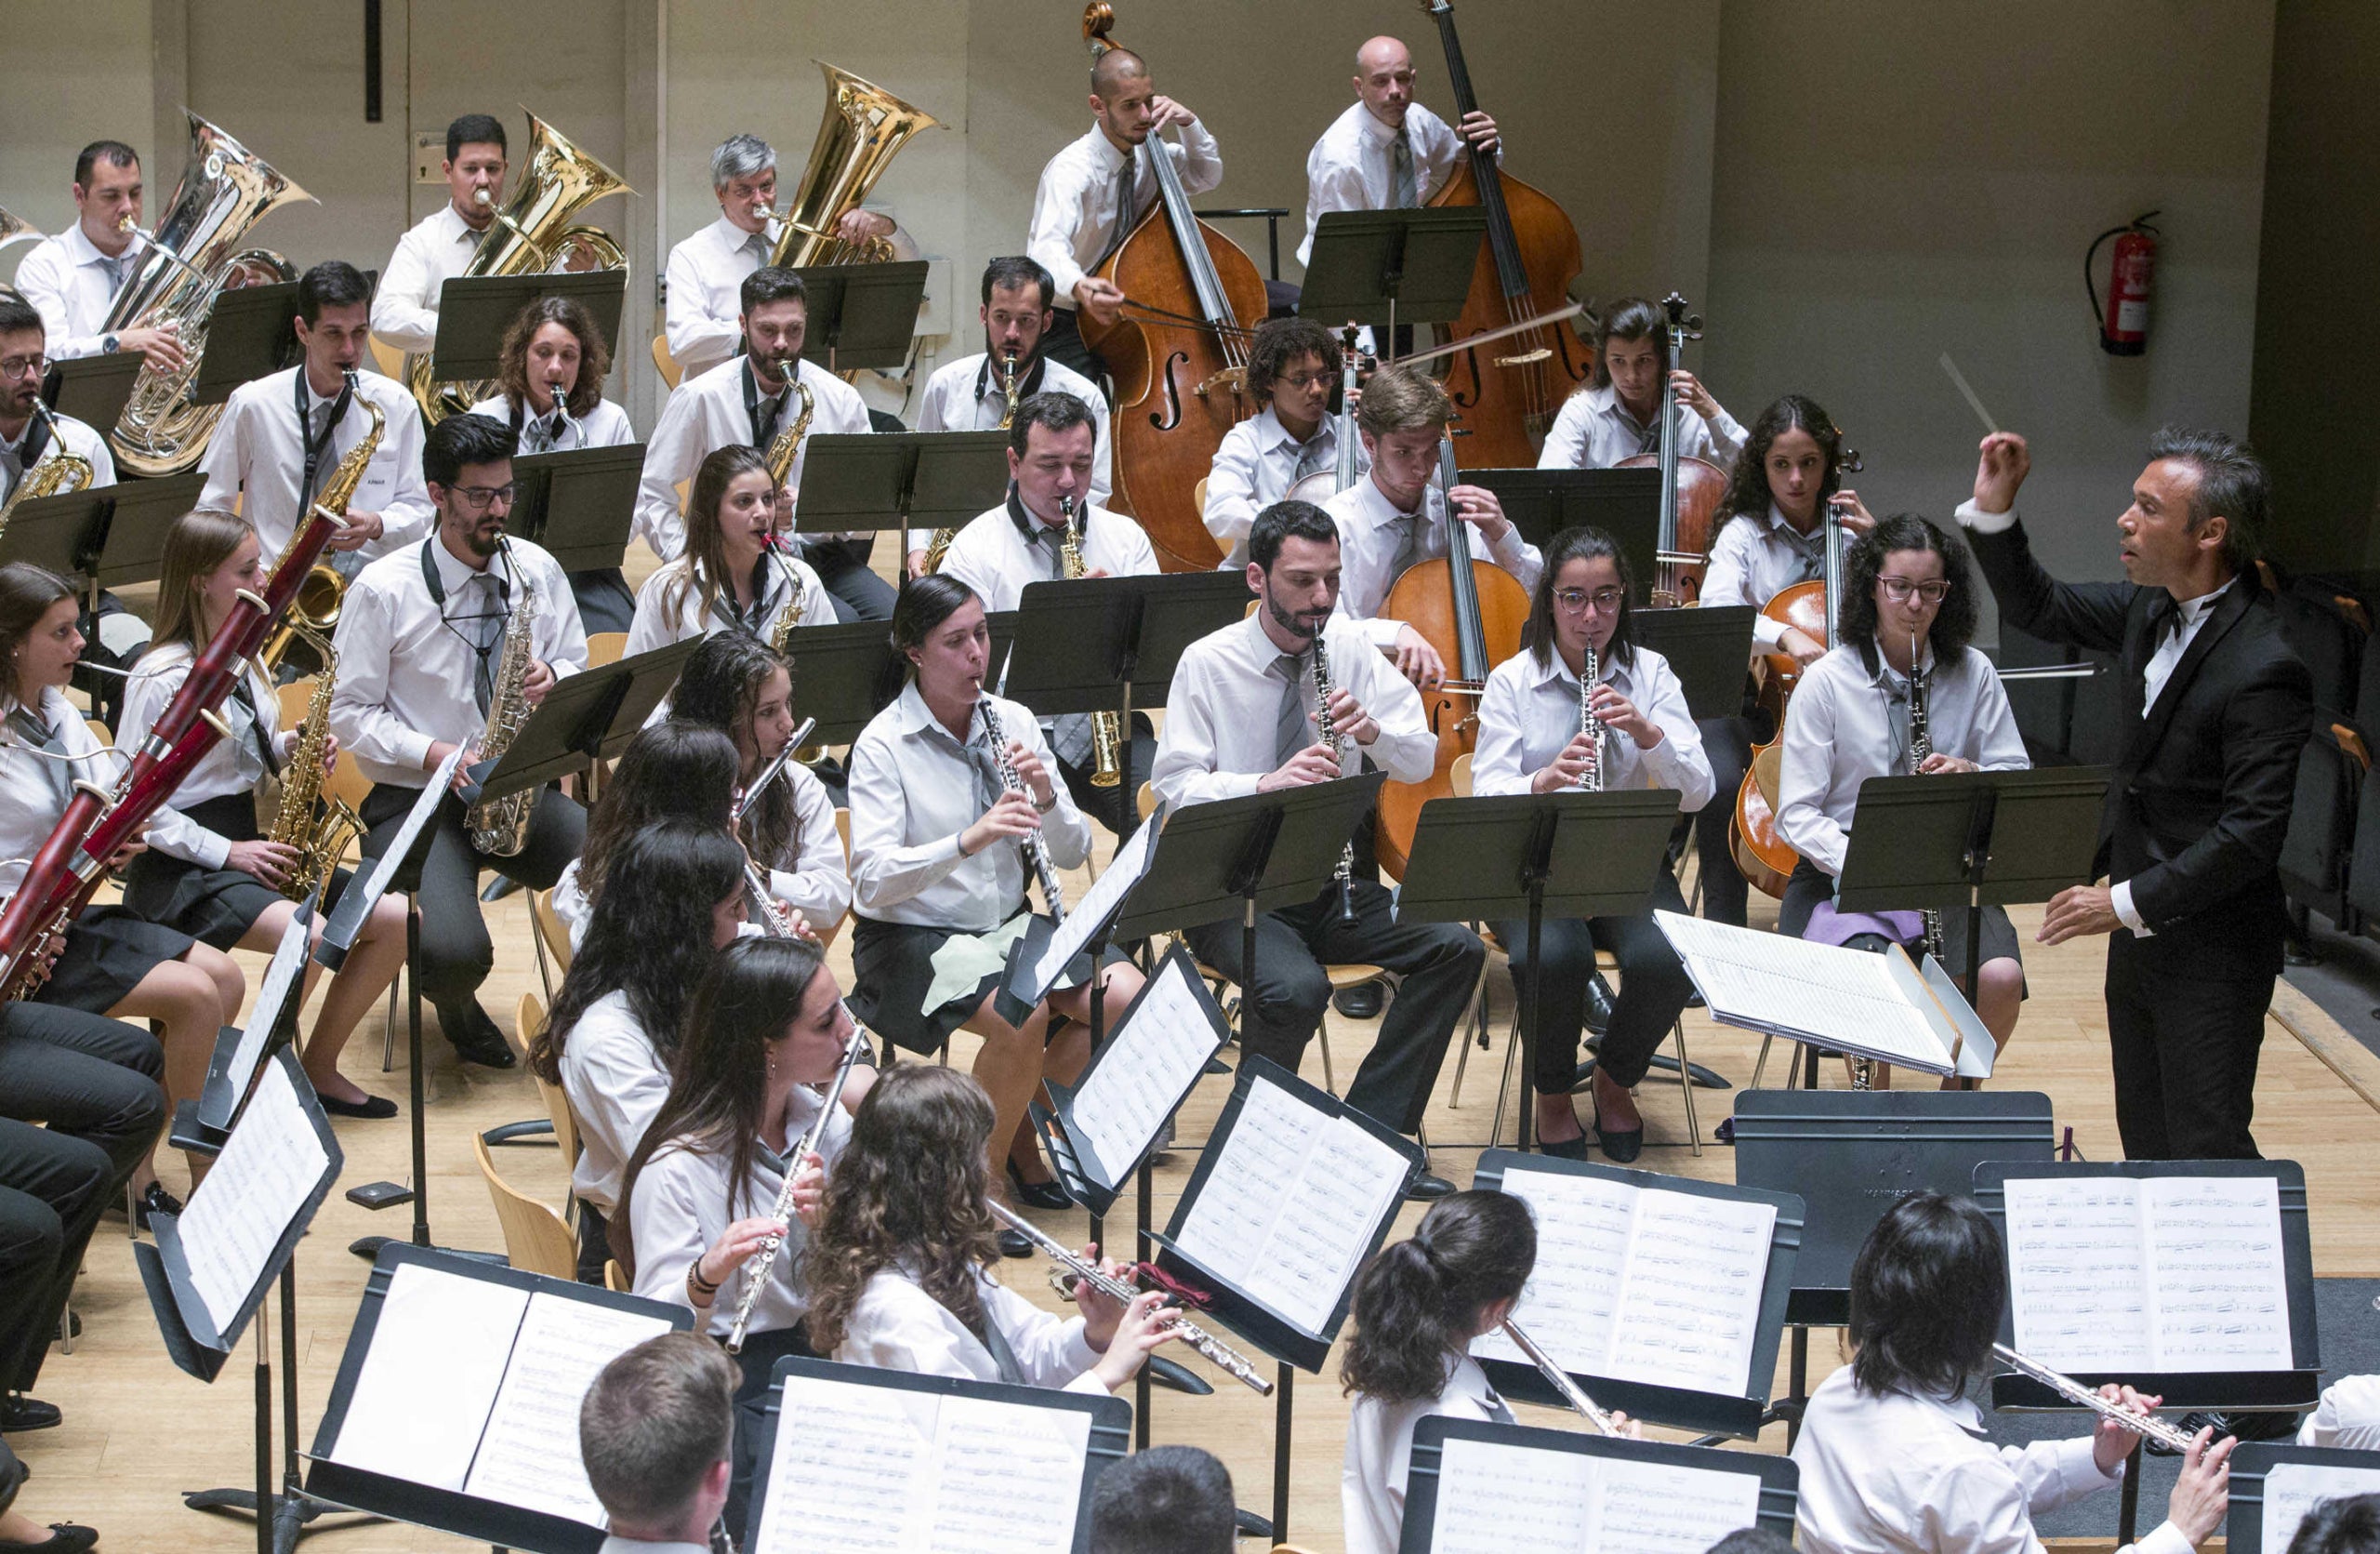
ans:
(26, 436)
(1293, 364)
(421, 644)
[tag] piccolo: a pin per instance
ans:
(1572, 1393)
(764, 1262)
(2074, 1391)
(1214, 1350)
(773, 770)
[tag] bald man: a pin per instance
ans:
(1096, 191)
(1387, 152)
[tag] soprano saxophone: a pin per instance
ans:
(1106, 728)
(500, 827)
(1346, 873)
(940, 544)
(1037, 852)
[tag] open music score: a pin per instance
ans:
(272, 1163)
(1495, 1497)
(2292, 1490)
(1144, 1070)
(2164, 1274)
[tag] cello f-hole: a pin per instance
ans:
(1173, 417)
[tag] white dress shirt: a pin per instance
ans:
(405, 671)
(1221, 713)
(1352, 166)
(1371, 536)
(897, 1326)
(1530, 714)
(1255, 465)
(34, 789)
(615, 1545)
(404, 306)
(617, 1083)
(232, 765)
(913, 790)
(680, 1209)
(992, 556)
(258, 456)
(1848, 725)
(1755, 558)
(606, 426)
(1074, 207)
(1379, 1452)
(706, 279)
(65, 278)
(1595, 432)
(669, 606)
(965, 395)
(1906, 1475)
(74, 436)
(707, 413)
(2348, 1417)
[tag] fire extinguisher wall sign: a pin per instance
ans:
(2132, 268)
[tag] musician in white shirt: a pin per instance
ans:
(972, 393)
(737, 572)
(282, 434)
(441, 246)
(26, 435)
(1094, 192)
(549, 390)
(1386, 151)
(1293, 364)
(1616, 415)
(751, 400)
(71, 278)
(1531, 741)
(669, 771)
(1890, 1452)
(1397, 516)
(654, 1435)
(421, 644)
(1051, 460)
(1240, 720)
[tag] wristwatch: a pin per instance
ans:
(107, 345)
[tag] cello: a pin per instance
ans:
(1691, 488)
(1178, 354)
(1510, 396)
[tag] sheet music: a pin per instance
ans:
(1690, 1302)
(1573, 1293)
(2294, 1489)
(1098, 903)
(1146, 1069)
(528, 1455)
(280, 975)
(1652, 1508)
(270, 1165)
(438, 1354)
(359, 899)
(1495, 1498)
(2079, 1289)
(1841, 997)
(1009, 1477)
(2214, 1263)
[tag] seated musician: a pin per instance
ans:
(27, 436)
(549, 390)
(441, 244)
(219, 877)
(1241, 718)
(1909, 597)
(1397, 516)
(1892, 1454)
(1293, 364)
(1164, 1500)
(1771, 535)
(670, 771)
(1386, 151)
(423, 644)
(71, 278)
(654, 1433)
(735, 685)
(1530, 743)
(751, 400)
(1052, 459)
(1095, 191)
(1616, 416)
(968, 395)
(730, 575)
(940, 849)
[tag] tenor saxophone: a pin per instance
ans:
(1106, 728)
(940, 544)
(318, 838)
(56, 473)
(500, 827)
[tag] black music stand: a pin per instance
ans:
(251, 333)
(2252, 1466)
(63, 532)
(846, 673)
(1625, 504)
(1579, 854)
(577, 505)
(474, 311)
(94, 390)
(899, 479)
(862, 315)
(1391, 268)
(586, 717)
(142, 516)
(202, 1126)
(1708, 649)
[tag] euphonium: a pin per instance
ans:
(318, 838)
(225, 190)
(864, 127)
(940, 545)
(500, 827)
(314, 613)
(1106, 728)
(58, 470)
(532, 235)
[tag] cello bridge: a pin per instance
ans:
(1233, 378)
(1526, 358)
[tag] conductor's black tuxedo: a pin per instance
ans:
(2194, 821)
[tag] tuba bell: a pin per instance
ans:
(533, 235)
(16, 229)
(225, 190)
(864, 127)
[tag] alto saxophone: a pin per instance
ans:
(1346, 873)
(314, 613)
(787, 447)
(940, 544)
(319, 839)
(54, 473)
(1106, 728)
(500, 827)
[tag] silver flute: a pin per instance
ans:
(1037, 852)
(1212, 1350)
(2074, 1391)
(1572, 1393)
(1591, 774)
(764, 1262)
(1346, 873)
(773, 771)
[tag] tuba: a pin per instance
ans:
(864, 127)
(532, 235)
(225, 190)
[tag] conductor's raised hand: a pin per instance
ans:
(2000, 466)
(1011, 815)
(1314, 764)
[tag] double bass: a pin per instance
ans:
(1508, 396)
(1178, 354)
(1691, 488)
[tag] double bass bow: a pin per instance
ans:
(1691, 488)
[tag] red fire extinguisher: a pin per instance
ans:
(2124, 322)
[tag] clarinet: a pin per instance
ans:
(1921, 744)
(1590, 775)
(755, 1273)
(1346, 873)
(1037, 852)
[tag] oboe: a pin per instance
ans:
(1037, 852)
(1921, 745)
(1346, 873)
(2074, 1391)
(1212, 1350)
(764, 1262)
(1591, 774)
(1572, 1393)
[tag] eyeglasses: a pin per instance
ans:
(478, 498)
(23, 366)
(1309, 380)
(1574, 601)
(1897, 589)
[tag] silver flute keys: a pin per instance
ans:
(1037, 852)
(1572, 1393)
(764, 1261)
(1346, 873)
(2074, 1391)
(1210, 1349)
(1591, 774)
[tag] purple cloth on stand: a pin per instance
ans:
(1829, 926)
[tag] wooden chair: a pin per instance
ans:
(605, 647)
(615, 1278)
(665, 363)
(535, 1237)
(387, 359)
(552, 940)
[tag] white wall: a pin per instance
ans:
(83, 74)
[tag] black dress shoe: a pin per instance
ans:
(1428, 1187)
(1564, 1148)
(371, 1106)
(1619, 1146)
(1014, 1244)
(1361, 1002)
(1038, 1195)
(154, 1199)
(19, 1412)
(476, 1039)
(65, 1537)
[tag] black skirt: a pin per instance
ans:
(893, 971)
(215, 906)
(109, 950)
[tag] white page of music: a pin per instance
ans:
(1098, 903)
(1653, 1507)
(261, 1182)
(2214, 1261)
(1689, 1298)
(1150, 1063)
(1498, 1499)
(1010, 1477)
(1573, 1293)
(2294, 1489)
(528, 1455)
(2080, 1289)
(430, 1379)
(1818, 991)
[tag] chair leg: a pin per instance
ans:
(1685, 1083)
(545, 971)
(388, 1026)
(1761, 1066)
(1475, 1029)
(1504, 1084)
(66, 1327)
(1322, 1034)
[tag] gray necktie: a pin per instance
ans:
(1312, 459)
(483, 626)
(1124, 206)
(1409, 543)
(1404, 193)
(38, 734)
(757, 246)
(1293, 731)
(114, 267)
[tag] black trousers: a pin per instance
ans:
(457, 954)
(1728, 741)
(1117, 809)
(841, 564)
(1063, 344)
(86, 1076)
(52, 1188)
(2185, 1052)
(1653, 988)
(1438, 964)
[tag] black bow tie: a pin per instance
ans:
(2164, 619)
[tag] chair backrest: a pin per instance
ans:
(387, 359)
(605, 647)
(535, 1237)
(530, 1019)
(665, 362)
(843, 831)
(347, 782)
(549, 927)
(615, 1278)
(1459, 775)
(1145, 800)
